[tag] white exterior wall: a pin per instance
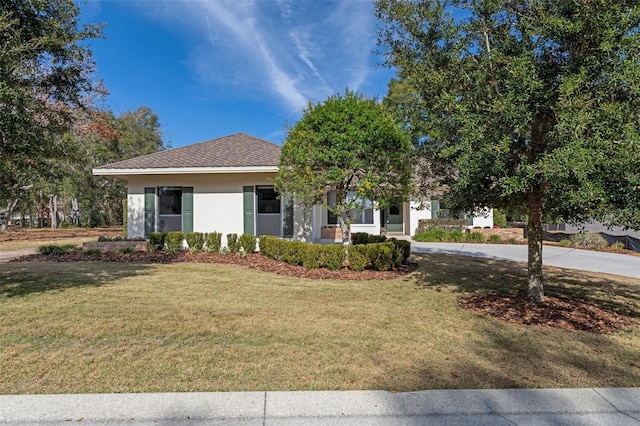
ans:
(483, 218)
(417, 211)
(217, 199)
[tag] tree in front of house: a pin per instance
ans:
(524, 103)
(350, 146)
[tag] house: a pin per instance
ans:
(226, 185)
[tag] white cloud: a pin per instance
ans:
(293, 51)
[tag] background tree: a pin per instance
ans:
(351, 145)
(44, 73)
(530, 103)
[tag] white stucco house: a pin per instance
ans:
(226, 185)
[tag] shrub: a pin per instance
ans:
(618, 246)
(512, 240)
(499, 218)
(124, 250)
(55, 250)
(174, 241)
(381, 256)
(213, 242)
(271, 246)
(312, 256)
(91, 252)
(156, 241)
(293, 252)
(195, 240)
(232, 243)
(358, 261)
(333, 256)
(359, 238)
(565, 243)
(495, 239)
(404, 247)
(589, 240)
(475, 237)
(431, 236)
(456, 236)
(248, 243)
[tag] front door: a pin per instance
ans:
(394, 218)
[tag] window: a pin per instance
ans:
(359, 216)
(169, 200)
(268, 201)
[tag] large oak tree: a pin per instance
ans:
(45, 72)
(525, 103)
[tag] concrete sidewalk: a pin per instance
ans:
(601, 406)
(571, 258)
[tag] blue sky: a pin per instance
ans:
(210, 68)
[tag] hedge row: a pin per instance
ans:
(381, 256)
(198, 241)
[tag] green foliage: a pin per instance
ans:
(55, 250)
(528, 106)
(45, 72)
(348, 144)
(499, 218)
(174, 240)
(432, 236)
(91, 252)
(495, 239)
(403, 247)
(124, 250)
(312, 257)
(512, 240)
(270, 246)
(195, 240)
(366, 238)
(214, 242)
(294, 252)
(565, 243)
(358, 260)
(475, 237)
(247, 242)
(232, 243)
(618, 246)
(156, 241)
(588, 240)
(333, 256)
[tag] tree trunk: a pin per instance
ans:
(534, 238)
(345, 228)
(53, 210)
(7, 215)
(75, 212)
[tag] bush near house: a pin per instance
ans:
(156, 241)
(232, 243)
(247, 243)
(381, 256)
(174, 241)
(213, 242)
(195, 240)
(55, 250)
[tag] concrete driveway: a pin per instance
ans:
(585, 260)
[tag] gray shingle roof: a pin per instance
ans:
(239, 150)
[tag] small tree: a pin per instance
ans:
(349, 144)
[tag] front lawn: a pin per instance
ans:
(136, 327)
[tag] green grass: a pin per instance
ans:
(126, 327)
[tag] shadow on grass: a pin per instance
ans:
(24, 278)
(479, 275)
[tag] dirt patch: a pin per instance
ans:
(40, 234)
(553, 312)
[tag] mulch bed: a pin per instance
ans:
(254, 261)
(555, 312)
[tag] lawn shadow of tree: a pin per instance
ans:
(24, 278)
(481, 275)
